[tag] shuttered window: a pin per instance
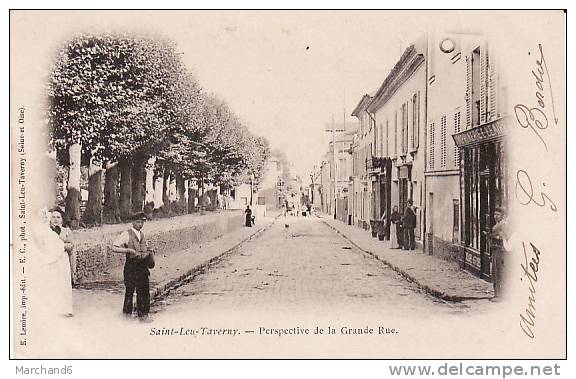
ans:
(431, 150)
(456, 131)
(415, 120)
(386, 139)
(395, 133)
(405, 112)
(443, 141)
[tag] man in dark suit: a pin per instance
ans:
(409, 224)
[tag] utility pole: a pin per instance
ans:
(335, 166)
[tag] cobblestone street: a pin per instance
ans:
(301, 265)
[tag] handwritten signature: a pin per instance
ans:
(535, 117)
(525, 192)
(530, 271)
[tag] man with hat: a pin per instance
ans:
(409, 224)
(136, 269)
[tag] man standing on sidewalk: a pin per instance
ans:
(136, 269)
(498, 238)
(409, 224)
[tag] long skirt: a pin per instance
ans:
(393, 237)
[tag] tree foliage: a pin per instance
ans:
(120, 96)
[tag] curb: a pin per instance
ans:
(429, 290)
(163, 289)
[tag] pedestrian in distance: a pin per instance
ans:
(409, 224)
(139, 259)
(249, 219)
(395, 229)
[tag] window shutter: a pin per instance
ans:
(468, 92)
(483, 84)
(431, 150)
(492, 89)
(443, 142)
(402, 148)
(456, 131)
(396, 133)
(417, 130)
(386, 154)
(406, 112)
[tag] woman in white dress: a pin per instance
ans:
(65, 234)
(51, 273)
(395, 218)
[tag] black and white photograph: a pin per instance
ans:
(286, 184)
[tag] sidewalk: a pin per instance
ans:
(170, 270)
(440, 278)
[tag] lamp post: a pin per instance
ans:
(251, 189)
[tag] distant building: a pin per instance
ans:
(335, 190)
(269, 190)
(363, 210)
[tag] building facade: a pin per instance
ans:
(335, 178)
(270, 188)
(482, 154)
(399, 112)
(362, 207)
(446, 117)
(434, 133)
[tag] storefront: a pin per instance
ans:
(482, 190)
(381, 173)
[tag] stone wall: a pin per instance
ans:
(445, 250)
(94, 257)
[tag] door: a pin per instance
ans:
(403, 194)
(485, 225)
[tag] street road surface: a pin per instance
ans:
(301, 265)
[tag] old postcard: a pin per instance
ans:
(288, 184)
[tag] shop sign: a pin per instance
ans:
(403, 174)
(480, 133)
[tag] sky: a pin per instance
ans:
(286, 74)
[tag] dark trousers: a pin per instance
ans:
(400, 236)
(409, 241)
(142, 298)
(497, 268)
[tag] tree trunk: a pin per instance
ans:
(166, 191)
(159, 191)
(111, 212)
(186, 194)
(93, 213)
(201, 201)
(173, 192)
(125, 189)
(138, 184)
(73, 197)
(180, 193)
(149, 199)
(191, 200)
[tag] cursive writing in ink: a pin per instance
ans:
(530, 272)
(525, 192)
(535, 117)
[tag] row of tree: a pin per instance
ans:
(127, 107)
